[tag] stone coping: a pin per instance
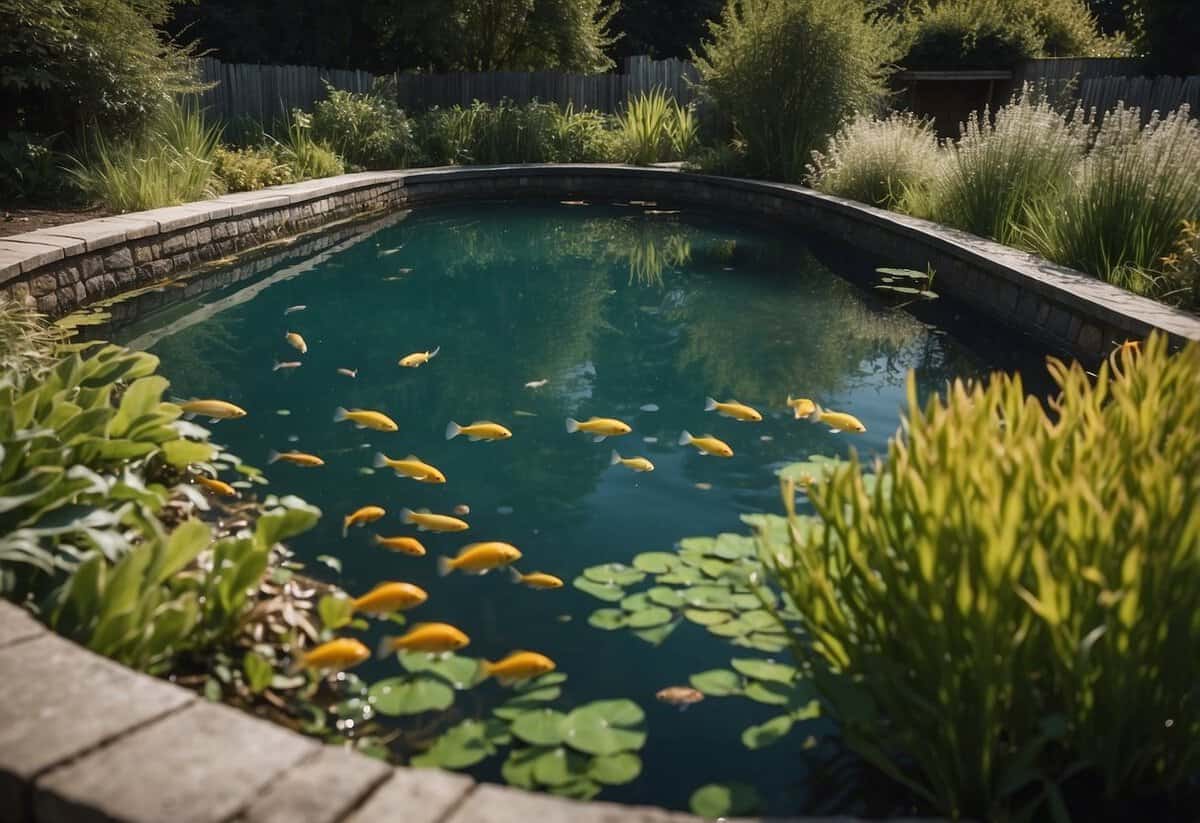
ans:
(85, 740)
(59, 269)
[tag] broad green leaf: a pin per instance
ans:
(655, 635)
(539, 727)
(459, 747)
(717, 682)
(649, 617)
(604, 591)
(656, 562)
(756, 737)
(183, 546)
(335, 611)
(607, 619)
(725, 800)
(764, 691)
(765, 670)
(605, 727)
(617, 574)
(615, 769)
(291, 517)
(560, 766)
(259, 672)
(140, 398)
(706, 618)
(667, 597)
(413, 694)
(459, 672)
(180, 453)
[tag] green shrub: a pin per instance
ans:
(30, 169)
(1014, 597)
(654, 128)
(877, 161)
(1002, 167)
(308, 157)
(1126, 202)
(250, 169)
(787, 73)
(171, 162)
(584, 137)
(512, 133)
(1182, 266)
(972, 33)
(368, 130)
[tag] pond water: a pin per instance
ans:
(629, 311)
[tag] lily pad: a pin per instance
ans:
(459, 746)
(413, 694)
(459, 672)
(560, 766)
(664, 596)
(748, 601)
(682, 576)
(605, 727)
(725, 800)
(733, 628)
(539, 727)
(769, 643)
(706, 618)
(703, 545)
(656, 562)
(548, 679)
(717, 682)
(608, 619)
(765, 670)
(708, 597)
(761, 620)
(576, 790)
(527, 701)
(716, 568)
(733, 546)
(773, 694)
(604, 591)
(614, 573)
(756, 737)
(615, 769)
(649, 617)
(517, 769)
(657, 634)
(636, 602)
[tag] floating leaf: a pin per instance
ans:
(411, 695)
(706, 618)
(708, 597)
(773, 694)
(717, 682)
(647, 618)
(459, 672)
(517, 769)
(605, 727)
(560, 766)
(682, 576)
(539, 727)
(615, 769)
(607, 619)
(603, 591)
(459, 746)
(765, 670)
(548, 679)
(769, 643)
(656, 562)
(615, 573)
(756, 737)
(733, 546)
(702, 545)
(733, 628)
(576, 790)
(636, 602)
(656, 635)
(725, 800)
(527, 701)
(716, 568)
(748, 601)
(664, 596)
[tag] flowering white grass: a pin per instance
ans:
(877, 161)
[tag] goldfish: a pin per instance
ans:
(296, 342)
(426, 521)
(360, 517)
(387, 598)
(291, 309)
(479, 430)
(411, 466)
(681, 696)
(434, 638)
(405, 545)
(365, 419)
(801, 406)
(535, 580)
(479, 558)
(214, 410)
(418, 358)
(837, 421)
(216, 486)
(601, 427)
(348, 372)
(537, 384)
(461, 509)
(706, 444)
(516, 667)
(638, 464)
(295, 458)
(335, 655)
(290, 364)
(734, 409)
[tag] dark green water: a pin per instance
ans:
(616, 309)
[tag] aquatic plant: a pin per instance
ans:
(980, 632)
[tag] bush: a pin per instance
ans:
(654, 128)
(368, 130)
(30, 169)
(1182, 266)
(877, 161)
(250, 169)
(170, 163)
(972, 33)
(512, 133)
(308, 157)
(787, 73)
(1013, 598)
(1126, 202)
(584, 137)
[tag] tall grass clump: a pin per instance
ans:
(1124, 208)
(877, 161)
(367, 130)
(654, 128)
(1003, 166)
(308, 157)
(1005, 617)
(170, 162)
(512, 133)
(583, 136)
(27, 341)
(785, 74)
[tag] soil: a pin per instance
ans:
(18, 219)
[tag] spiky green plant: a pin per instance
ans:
(654, 128)
(308, 157)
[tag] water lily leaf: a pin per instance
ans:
(636, 602)
(459, 672)
(732, 628)
(756, 737)
(769, 643)
(539, 727)
(733, 546)
(615, 769)
(604, 591)
(413, 694)
(517, 769)
(708, 597)
(657, 634)
(607, 619)
(656, 562)
(702, 545)
(527, 701)
(548, 679)
(716, 568)
(765, 691)
(649, 617)
(809, 711)
(615, 573)
(459, 746)
(560, 766)
(576, 790)
(767, 670)
(717, 682)
(682, 576)
(725, 800)
(665, 596)
(748, 601)
(761, 620)
(706, 618)
(605, 727)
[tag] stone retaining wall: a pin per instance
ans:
(60, 269)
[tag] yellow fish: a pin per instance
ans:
(426, 521)
(638, 464)
(335, 655)
(291, 364)
(801, 406)
(706, 444)
(212, 409)
(405, 545)
(535, 580)
(348, 372)
(601, 427)
(418, 358)
(365, 419)
(296, 342)
(434, 638)
(216, 486)
(480, 558)
(734, 409)
(360, 517)
(837, 421)
(411, 466)
(516, 667)
(479, 430)
(296, 458)
(387, 598)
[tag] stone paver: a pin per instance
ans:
(99, 233)
(30, 255)
(61, 701)
(47, 237)
(319, 790)
(415, 796)
(500, 804)
(200, 765)
(16, 624)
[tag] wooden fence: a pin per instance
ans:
(1161, 94)
(600, 92)
(265, 93)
